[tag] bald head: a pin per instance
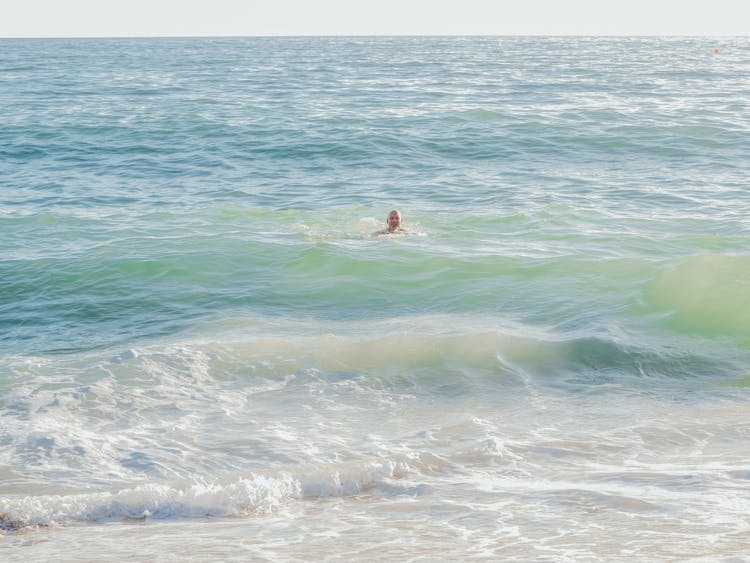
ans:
(394, 221)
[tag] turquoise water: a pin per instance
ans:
(199, 328)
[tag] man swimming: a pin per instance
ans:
(394, 224)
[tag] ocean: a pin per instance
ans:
(206, 354)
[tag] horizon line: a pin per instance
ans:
(377, 35)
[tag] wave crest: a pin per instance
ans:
(252, 494)
(706, 294)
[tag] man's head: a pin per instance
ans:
(394, 220)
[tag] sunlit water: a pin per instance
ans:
(206, 354)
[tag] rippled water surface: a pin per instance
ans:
(206, 353)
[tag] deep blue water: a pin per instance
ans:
(148, 184)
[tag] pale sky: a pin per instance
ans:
(133, 18)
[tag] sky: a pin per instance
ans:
(155, 18)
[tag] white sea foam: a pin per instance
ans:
(239, 495)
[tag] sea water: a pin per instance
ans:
(206, 354)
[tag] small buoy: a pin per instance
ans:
(716, 51)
